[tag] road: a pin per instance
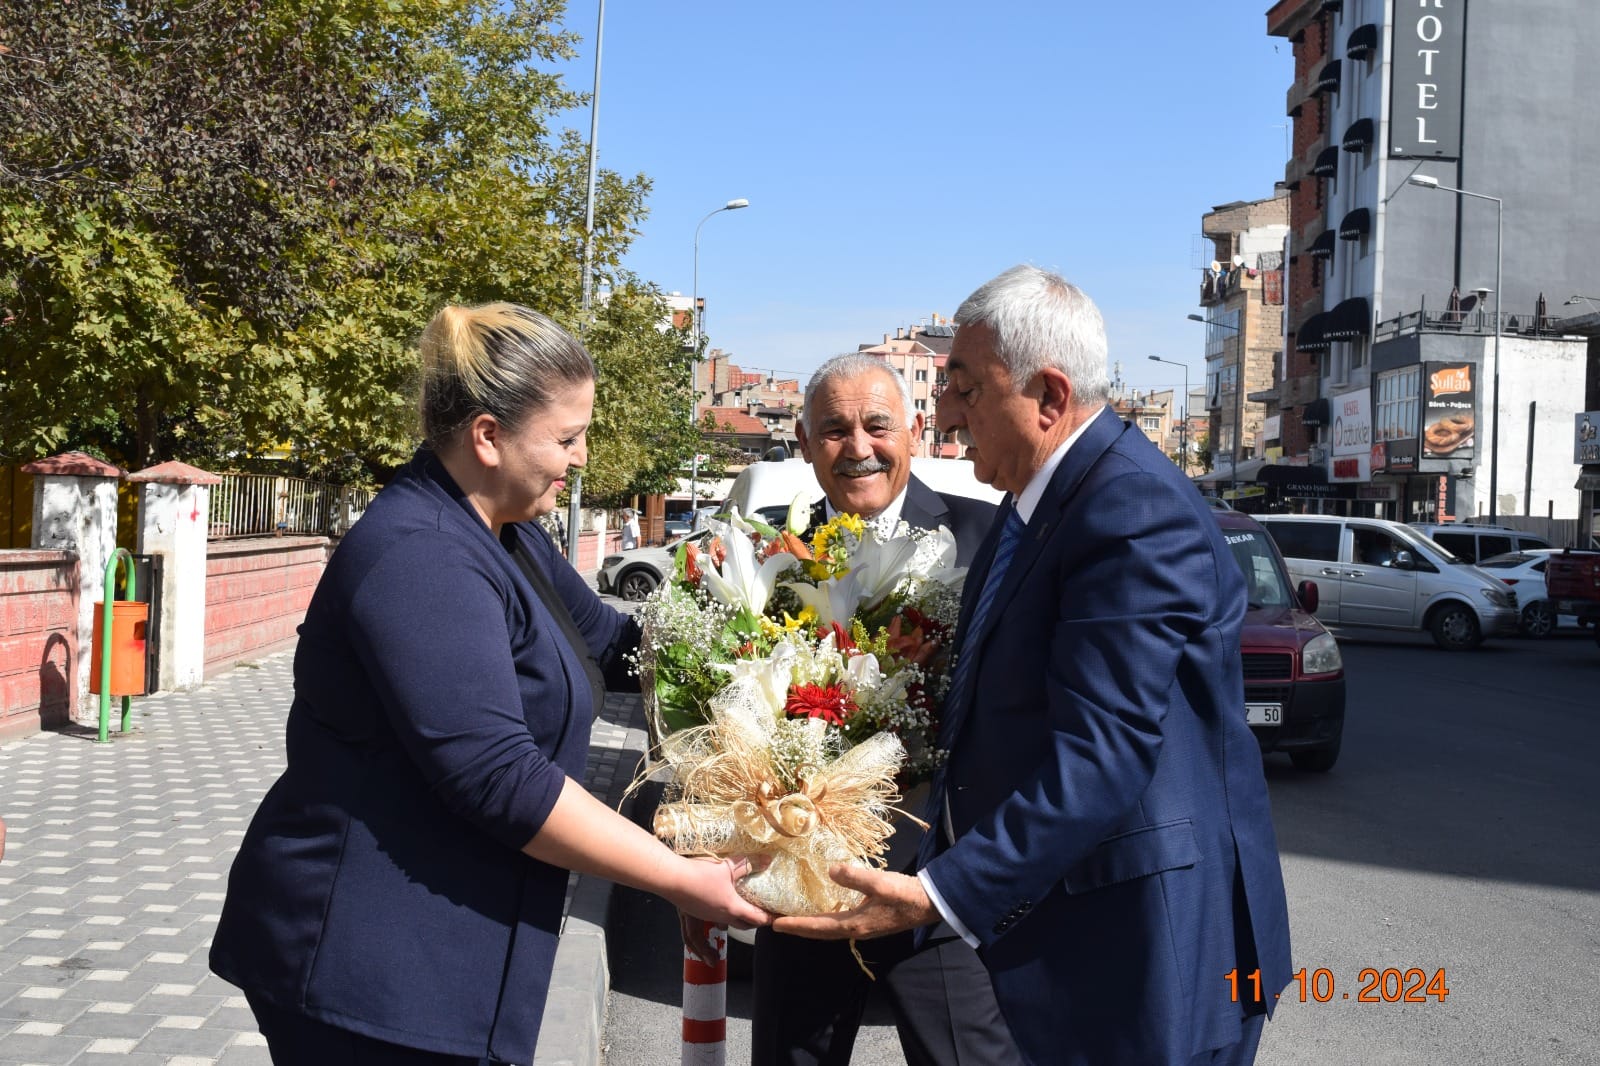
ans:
(1457, 833)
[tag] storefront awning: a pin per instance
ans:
(1363, 42)
(1350, 319)
(1316, 412)
(1327, 164)
(1588, 483)
(1322, 247)
(1328, 80)
(1312, 335)
(1358, 136)
(1356, 224)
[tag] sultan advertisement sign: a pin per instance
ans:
(1350, 449)
(1425, 78)
(1450, 401)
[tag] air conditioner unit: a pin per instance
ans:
(1316, 455)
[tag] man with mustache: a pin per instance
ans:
(857, 431)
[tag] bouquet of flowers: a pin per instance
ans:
(793, 688)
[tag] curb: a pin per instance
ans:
(573, 1030)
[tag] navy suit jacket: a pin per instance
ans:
(967, 519)
(1114, 850)
(438, 710)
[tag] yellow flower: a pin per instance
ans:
(807, 619)
(829, 532)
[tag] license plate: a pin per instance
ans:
(1263, 713)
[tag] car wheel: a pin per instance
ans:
(1455, 627)
(637, 584)
(1538, 619)
(1316, 760)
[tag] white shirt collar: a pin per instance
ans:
(1028, 499)
(885, 521)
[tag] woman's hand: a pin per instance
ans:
(705, 889)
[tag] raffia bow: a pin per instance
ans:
(783, 794)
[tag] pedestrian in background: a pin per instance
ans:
(630, 529)
(398, 895)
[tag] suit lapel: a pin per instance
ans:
(924, 508)
(1075, 465)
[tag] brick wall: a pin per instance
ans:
(590, 552)
(257, 591)
(38, 640)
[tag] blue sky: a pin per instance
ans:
(898, 154)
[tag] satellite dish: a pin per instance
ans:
(1238, 260)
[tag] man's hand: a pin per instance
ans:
(894, 903)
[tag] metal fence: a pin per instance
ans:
(253, 505)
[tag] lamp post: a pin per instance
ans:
(694, 313)
(1183, 427)
(1238, 398)
(575, 493)
(1425, 182)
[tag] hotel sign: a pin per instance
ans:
(1425, 93)
(1350, 444)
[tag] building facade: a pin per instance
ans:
(1452, 228)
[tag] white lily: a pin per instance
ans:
(834, 600)
(763, 681)
(799, 519)
(743, 580)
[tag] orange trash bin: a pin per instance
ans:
(129, 619)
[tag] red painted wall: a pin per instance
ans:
(257, 591)
(38, 640)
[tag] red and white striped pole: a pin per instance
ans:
(705, 1002)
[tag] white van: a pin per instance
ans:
(1385, 575)
(767, 488)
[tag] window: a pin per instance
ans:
(922, 375)
(1150, 423)
(922, 405)
(1307, 540)
(1396, 416)
(1213, 381)
(1463, 545)
(1374, 547)
(1489, 546)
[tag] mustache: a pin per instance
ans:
(964, 439)
(860, 467)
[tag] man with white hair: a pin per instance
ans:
(857, 430)
(1102, 830)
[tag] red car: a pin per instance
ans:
(1293, 672)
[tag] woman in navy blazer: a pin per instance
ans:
(398, 895)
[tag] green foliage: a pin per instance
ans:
(223, 224)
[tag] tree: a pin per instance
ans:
(222, 225)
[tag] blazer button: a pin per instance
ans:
(1025, 906)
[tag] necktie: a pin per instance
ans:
(959, 695)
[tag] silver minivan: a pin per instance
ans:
(1374, 573)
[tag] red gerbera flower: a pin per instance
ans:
(831, 703)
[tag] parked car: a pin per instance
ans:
(1373, 573)
(1471, 542)
(677, 528)
(1293, 672)
(1524, 571)
(634, 574)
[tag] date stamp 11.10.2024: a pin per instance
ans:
(1373, 985)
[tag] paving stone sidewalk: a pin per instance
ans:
(117, 857)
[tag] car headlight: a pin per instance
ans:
(1500, 597)
(1321, 656)
(611, 560)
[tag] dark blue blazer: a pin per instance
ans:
(438, 709)
(1114, 849)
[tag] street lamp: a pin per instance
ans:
(1238, 398)
(1426, 182)
(694, 313)
(1183, 427)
